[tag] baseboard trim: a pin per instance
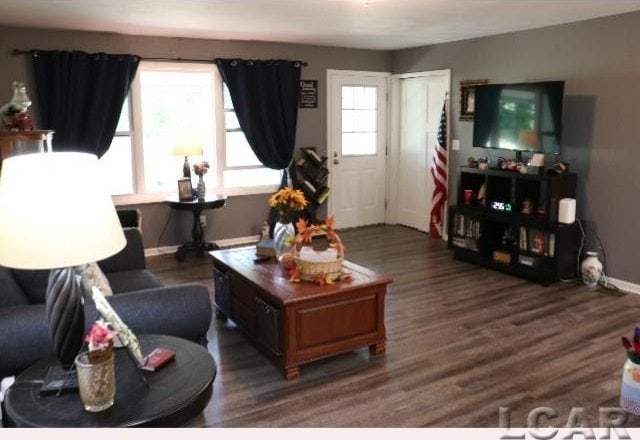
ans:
(150, 252)
(227, 242)
(625, 286)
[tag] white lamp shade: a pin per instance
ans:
(55, 212)
(187, 146)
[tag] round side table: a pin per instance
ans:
(198, 246)
(169, 397)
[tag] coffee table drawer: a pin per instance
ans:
(336, 322)
(242, 291)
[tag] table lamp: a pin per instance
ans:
(186, 147)
(55, 213)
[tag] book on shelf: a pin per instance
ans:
(466, 227)
(466, 243)
(313, 156)
(322, 194)
(536, 241)
(307, 187)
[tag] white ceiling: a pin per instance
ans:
(384, 24)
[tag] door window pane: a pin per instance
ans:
(359, 117)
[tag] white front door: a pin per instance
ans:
(357, 104)
(418, 104)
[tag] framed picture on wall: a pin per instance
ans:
(468, 98)
(185, 190)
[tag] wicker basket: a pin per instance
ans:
(310, 270)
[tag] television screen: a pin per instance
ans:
(522, 117)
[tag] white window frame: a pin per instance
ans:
(131, 134)
(140, 195)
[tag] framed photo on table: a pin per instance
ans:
(468, 98)
(185, 190)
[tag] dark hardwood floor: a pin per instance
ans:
(462, 342)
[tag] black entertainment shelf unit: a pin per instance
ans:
(509, 222)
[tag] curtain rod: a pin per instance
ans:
(179, 60)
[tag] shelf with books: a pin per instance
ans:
(465, 232)
(516, 215)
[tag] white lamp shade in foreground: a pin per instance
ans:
(55, 212)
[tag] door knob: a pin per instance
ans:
(336, 161)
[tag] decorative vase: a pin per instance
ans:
(283, 235)
(96, 382)
(630, 388)
(591, 269)
(200, 189)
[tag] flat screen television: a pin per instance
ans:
(519, 117)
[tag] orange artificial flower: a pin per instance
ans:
(330, 221)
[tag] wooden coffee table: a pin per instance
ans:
(297, 323)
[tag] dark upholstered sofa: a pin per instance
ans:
(140, 299)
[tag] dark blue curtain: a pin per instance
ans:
(80, 96)
(265, 98)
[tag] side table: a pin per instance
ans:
(198, 246)
(173, 395)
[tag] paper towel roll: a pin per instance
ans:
(567, 211)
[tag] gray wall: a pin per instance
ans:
(243, 215)
(600, 62)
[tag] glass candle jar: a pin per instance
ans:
(96, 381)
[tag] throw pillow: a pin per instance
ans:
(91, 275)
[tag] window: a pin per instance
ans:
(241, 166)
(117, 162)
(180, 103)
(359, 114)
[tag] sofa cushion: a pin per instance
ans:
(129, 258)
(34, 284)
(24, 337)
(10, 292)
(130, 280)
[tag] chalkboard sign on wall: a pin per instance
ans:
(309, 93)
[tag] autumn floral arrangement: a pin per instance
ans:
(201, 168)
(328, 267)
(286, 203)
(100, 340)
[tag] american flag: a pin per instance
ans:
(439, 173)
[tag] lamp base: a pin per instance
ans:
(186, 168)
(65, 314)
